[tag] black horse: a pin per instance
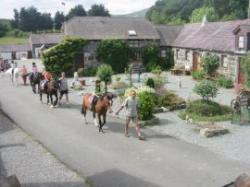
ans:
(35, 79)
(50, 89)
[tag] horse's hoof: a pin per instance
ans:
(51, 106)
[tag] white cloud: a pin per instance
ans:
(51, 6)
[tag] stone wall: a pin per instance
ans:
(228, 62)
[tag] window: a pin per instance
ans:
(163, 53)
(223, 62)
(186, 54)
(132, 33)
(133, 43)
(177, 53)
(241, 42)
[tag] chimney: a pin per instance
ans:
(204, 20)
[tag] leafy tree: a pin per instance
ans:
(198, 14)
(78, 10)
(210, 64)
(115, 53)
(98, 10)
(61, 57)
(105, 72)
(146, 105)
(206, 89)
(46, 22)
(246, 69)
(3, 29)
(58, 20)
(15, 22)
(151, 56)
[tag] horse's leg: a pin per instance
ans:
(47, 98)
(51, 100)
(100, 123)
(95, 120)
(84, 112)
(55, 103)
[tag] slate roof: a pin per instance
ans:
(98, 28)
(216, 36)
(16, 48)
(46, 38)
(168, 33)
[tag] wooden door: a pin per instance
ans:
(240, 73)
(195, 61)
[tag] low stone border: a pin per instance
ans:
(168, 109)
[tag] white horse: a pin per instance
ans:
(14, 77)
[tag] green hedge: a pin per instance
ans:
(146, 105)
(225, 82)
(61, 57)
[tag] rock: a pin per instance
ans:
(215, 131)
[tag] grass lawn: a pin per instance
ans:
(12, 40)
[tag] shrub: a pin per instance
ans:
(159, 81)
(207, 108)
(150, 82)
(210, 64)
(146, 105)
(105, 73)
(156, 70)
(3, 29)
(206, 89)
(87, 72)
(18, 33)
(198, 75)
(246, 69)
(61, 57)
(118, 79)
(170, 100)
(225, 82)
(119, 85)
(115, 53)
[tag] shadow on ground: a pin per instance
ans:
(115, 178)
(52, 184)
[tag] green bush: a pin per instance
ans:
(156, 70)
(61, 57)
(246, 69)
(146, 105)
(3, 29)
(115, 53)
(210, 64)
(18, 33)
(104, 73)
(225, 82)
(204, 108)
(198, 75)
(206, 89)
(150, 82)
(87, 72)
(118, 79)
(170, 100)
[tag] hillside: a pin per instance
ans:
(137, 14)
(185, 11)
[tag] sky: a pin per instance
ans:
(51, 6)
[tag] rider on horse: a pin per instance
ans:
(96, 94)
(47, 77)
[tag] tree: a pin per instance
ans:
(30, 19)
(115, 53)
(3, 29)
(198, 14)
(98, 10)
(60, 58)
(246, 70)
(15, 22)
(206, 89)
(105, 72)
(78, 10)
(58, 20)
(210, 64)
(46, 22)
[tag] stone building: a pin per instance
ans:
(229, 40)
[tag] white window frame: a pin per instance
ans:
(241, 43)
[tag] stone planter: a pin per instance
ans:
(213, 131)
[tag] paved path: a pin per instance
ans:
(110, 159)
(30, 162)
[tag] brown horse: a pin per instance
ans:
(50, 90)
(104, 103)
